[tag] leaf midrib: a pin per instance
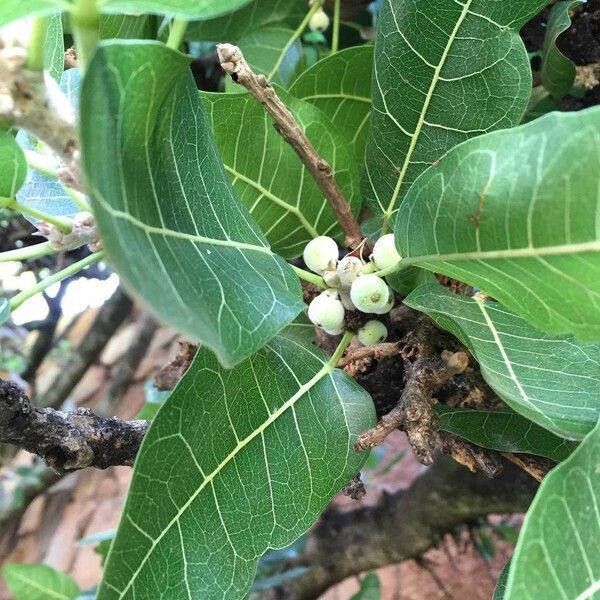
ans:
(421, 122)
(150, 229)
(325, 370)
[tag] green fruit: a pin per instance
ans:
(321, 254)
(348, 270)
(327, 312)
(372, 332)
(370, 294)
(385, 254)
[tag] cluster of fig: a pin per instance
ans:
(352, 284)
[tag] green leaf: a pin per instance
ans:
(370, 588)
(39, 582)
(504, 431)
(54, 47)
(557, 553)
(441, 76)
(11, 10)
(340, 86)
(170, 222)
(14, 165)
(552, 381)
(272, 50)
(235, 462)
(269, 177)
(540, 104)
(512, 213)
(4, 310)
(558, 72)
(248, 18)
(185, 9)
(127, 27)
(501, 583)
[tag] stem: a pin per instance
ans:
(176, 33)
(335, 39)
(393, 269)
(42, 164)
(339, 351)
(63, 225)
(85, 23)
(78, 199)
(21, 254)
(313, 9)
(35, 52)
(310, 277)
(73, 269)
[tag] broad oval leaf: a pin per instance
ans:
(340, 86)
(558, 72)
(248, 18)
(39, 582)
(234, 463)
(554, 382)
(54, 47)
(12, 10)
(186, 9)
(504, 431)
(14, 165)
(512, 213)
(557, 552)
(269, 177)
(442, 75)
(169, 219)
(127, 27)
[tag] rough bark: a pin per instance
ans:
(403, 525)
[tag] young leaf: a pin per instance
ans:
(512, 213)
(39, 582)
(269, 177)
(14, 165)
(11, 10)
(170, 222)
(550, 380)
(557, 553)
(441, 77)
(504, 431)
(558, 72)
(54, 47)
(248, 18)
(234, 463)
(340, 85)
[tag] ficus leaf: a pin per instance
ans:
(340, 86)
(442, 75)
(14, 166)
(504, 431)
(54, 47)
(170, 222)
(236, 461)
(39, 582)
(553, 381)
(512, 213)
(185, 9)
(269, 177)
(557, 552)
(11, 10)
(558, 72)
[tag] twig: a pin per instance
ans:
(471, 456)
(32, 101)
(67, 441)
(233, 62)
(536, 466)
(376, 352)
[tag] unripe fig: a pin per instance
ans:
(372, 332)
(388, 307)
(319, 21)
(331, 279)
(321, 254)
(348, 270)
(385, 254)
(370, 294)
(327, 311)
